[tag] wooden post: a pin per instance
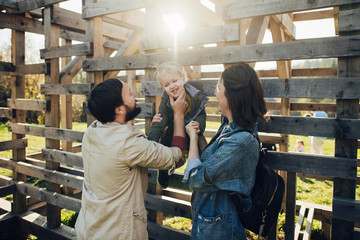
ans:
(66, 111)
(18, 91)
(284, 72)
(152, 17)
(347, 67)
(94, 35)
(66, 103)
(52, 35)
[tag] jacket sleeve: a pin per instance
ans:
(201, 119)
(157, 129)
(139, 151)
(228, 168)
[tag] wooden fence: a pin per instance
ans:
(122, 37)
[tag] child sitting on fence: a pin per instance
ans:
(173, 79)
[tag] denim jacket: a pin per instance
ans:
(228, 163)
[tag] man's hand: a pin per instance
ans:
(179, 105)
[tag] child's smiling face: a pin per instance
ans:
(173, 83)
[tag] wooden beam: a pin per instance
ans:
(301, 49)
(343, 88)
(54, 198)
(203, 35)
(39, 68)
(7, 67)
(48, 132)
(66, 51)
(315, 15)
(7, 190)
(49, 175)
(320, 164)
(29, 104)
(234, 10)
(111, 6)
(71, 69)
(66, 89)
(346, 209)
(62, 157)
(39, 226)
(326, 127)
(13, 144)
(9, 4)
(349, 20)
(27, 5)
(168, 205)
(158, 231)
(5, 113)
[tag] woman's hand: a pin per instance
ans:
(157, 118)
(179, 105)
(193, 130)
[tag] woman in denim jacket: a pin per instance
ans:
(229, 161)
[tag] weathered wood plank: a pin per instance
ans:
(48, 132)
(168, 205)
(72, 159)
(26, 5)
(66, 51)
(326, 127)
(66, 89)
(157, 231)
(71, 69)
(314, 15)
(7, 190)
(349, 20)
(9, 4)
(205, 35)
(343, 88)
(20, 23)
(242, 9)
(5, 112)
(13, 144)
(111, 6)
(346, 209)
(39, 226)
(50, 175)
(301, 49)
(7, 67)
(29, 104)
(313, 164)
(39, 68)
(54, 198)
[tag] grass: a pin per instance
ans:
(309, 190)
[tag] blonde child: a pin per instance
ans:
(299, 146)
(172, 79)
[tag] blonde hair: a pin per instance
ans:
(169, 67)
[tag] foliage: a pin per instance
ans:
(68, 217)
(181, 223)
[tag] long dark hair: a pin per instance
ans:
(245, 95)
(104, 98)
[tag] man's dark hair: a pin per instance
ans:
(104, 98)
(244, 94)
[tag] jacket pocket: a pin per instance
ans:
(210, 227)
(140, 223)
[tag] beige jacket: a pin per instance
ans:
(116, 158)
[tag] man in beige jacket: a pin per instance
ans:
(116, 157)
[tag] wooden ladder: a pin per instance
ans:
(309, 222)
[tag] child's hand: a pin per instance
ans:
(179, 105)
(193, 129)
(157, 118)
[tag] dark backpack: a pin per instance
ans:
(266, 196)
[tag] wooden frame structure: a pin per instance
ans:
(120, 36)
